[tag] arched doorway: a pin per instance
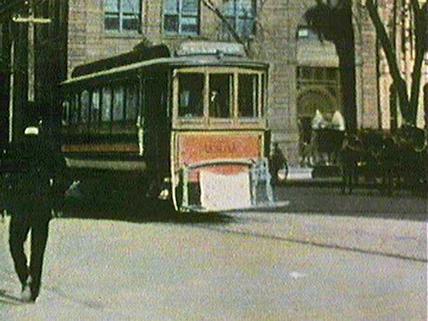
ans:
(310, 100)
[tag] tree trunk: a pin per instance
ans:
(344, 42)
(420, 26)
(346, 52)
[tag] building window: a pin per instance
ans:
(181, 17)
(241, 15)
(122, 15)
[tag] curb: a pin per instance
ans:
(316, 182)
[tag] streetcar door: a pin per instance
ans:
(156, 138)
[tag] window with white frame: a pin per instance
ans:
(122, 15)
(181, 17)
(241, 15)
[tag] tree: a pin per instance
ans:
(332, 20)
(408, 101)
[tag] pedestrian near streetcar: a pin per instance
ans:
(33, 190)
(278, 162)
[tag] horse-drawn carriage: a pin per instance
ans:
(387, 160)
(328, 142)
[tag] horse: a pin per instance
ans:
(370, 155)
(350, 158)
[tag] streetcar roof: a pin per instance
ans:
(183, 61)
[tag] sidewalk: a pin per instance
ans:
(325, 176)
(306, 175)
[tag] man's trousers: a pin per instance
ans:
(20, 225)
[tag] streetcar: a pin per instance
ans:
(187, 126)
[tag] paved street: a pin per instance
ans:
(364, 259)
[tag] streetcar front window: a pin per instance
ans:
(221, 93)
(248, 99)
(191, 95)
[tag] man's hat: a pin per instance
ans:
(32, 130)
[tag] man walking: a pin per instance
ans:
(34, 188)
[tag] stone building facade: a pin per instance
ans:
(303, 69)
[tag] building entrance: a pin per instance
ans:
(318, 100)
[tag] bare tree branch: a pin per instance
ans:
(390, 55)
(420, 29)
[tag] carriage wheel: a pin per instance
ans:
(281, 175)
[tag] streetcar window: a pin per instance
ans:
(220, 98)
(95, 106)
(65, 112)
(118, 104)
(84, 107)
(131, 102)
(74, 112)
(263, 98)
(248, 89)
(106, 105)
(191, 95)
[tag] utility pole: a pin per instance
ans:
(31, 21)
(11, 83)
